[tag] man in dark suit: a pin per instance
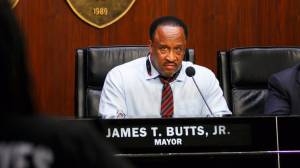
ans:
(284, 92)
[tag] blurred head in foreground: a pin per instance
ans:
(15, 97)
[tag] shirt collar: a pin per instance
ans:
(154, 73)
(181, 76)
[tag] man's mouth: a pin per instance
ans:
(170, 66)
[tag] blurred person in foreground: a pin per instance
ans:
(29, 140)
(157, 86)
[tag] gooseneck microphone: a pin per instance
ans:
(190, 72)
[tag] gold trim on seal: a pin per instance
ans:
(14, 3)
(100, 13)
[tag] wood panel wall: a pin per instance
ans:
(53, 33)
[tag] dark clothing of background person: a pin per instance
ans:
(31, 141)
(284, 92)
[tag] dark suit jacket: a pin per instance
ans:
(284, 92)
(39, 141)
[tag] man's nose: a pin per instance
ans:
(171, 57)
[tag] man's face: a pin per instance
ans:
(167, 49)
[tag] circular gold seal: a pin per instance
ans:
(100, 13)
(14, 3)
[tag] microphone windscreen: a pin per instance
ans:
(190, 71)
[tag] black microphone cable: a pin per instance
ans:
(190, 72)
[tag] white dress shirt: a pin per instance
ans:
(130, 92)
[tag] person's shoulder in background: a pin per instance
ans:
(283, 88)
(287, 75)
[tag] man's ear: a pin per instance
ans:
(150, 46)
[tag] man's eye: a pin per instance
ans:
(163, 49)
(178, 50)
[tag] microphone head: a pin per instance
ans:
(190, 71)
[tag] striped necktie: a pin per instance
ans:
(167, 104)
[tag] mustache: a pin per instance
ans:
(170, 63)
